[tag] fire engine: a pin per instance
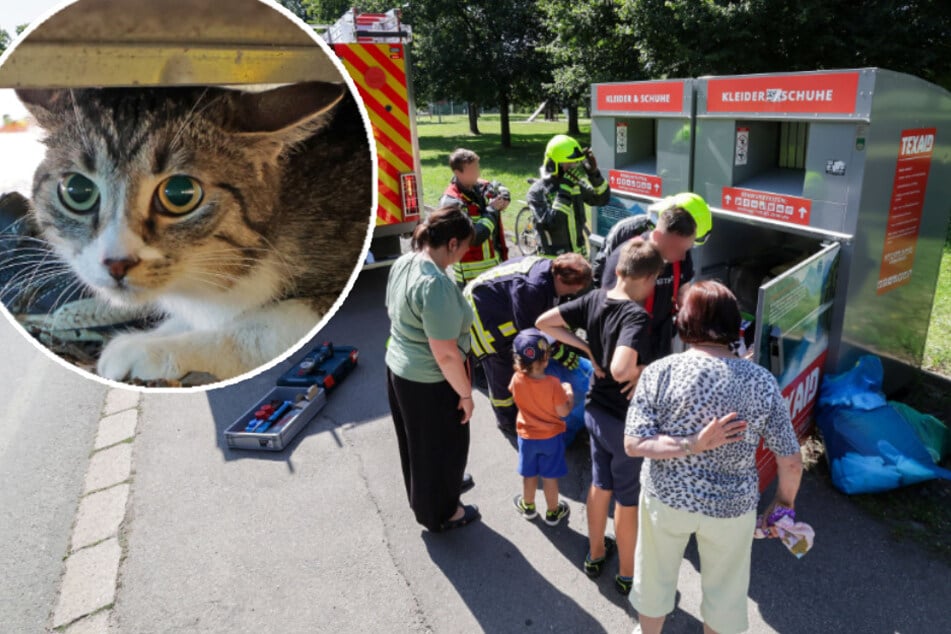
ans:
(373, 48)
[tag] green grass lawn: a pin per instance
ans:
(510, 166)
(938, 348)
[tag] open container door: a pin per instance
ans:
(793, 323)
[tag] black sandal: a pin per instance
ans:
(593, 567)
(469, 515)
(467, 483)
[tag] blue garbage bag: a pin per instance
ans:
(860, 387)
(580, 380)
(870, 448)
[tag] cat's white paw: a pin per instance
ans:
(140, 356)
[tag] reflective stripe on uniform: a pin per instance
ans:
(481, 337)
(523, 266)
(477, 349)
(569, 212)
(467, 271)
(507, 329)
(502, 402)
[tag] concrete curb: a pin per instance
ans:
(91, 567)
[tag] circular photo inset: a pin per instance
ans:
(189, 194)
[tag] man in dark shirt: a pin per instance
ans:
(673, 236)
(617, 337)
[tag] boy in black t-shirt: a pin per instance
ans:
(618, 345)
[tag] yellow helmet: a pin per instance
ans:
(562, 149)
(693, 204)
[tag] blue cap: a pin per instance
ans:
(531, 344)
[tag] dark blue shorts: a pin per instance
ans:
(611, 468)
(545, 458)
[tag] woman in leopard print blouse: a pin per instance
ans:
(699, 474)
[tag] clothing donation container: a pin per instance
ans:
(641, 136)
(831, 194)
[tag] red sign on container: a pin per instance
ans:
(904, 212)
(829, 93)
(635, 183)
(791, 209)
(653, 96)
(800, 396)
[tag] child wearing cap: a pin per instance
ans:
(542, 404)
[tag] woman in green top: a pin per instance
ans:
(428, 382)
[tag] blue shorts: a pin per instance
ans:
(611, 468)
(545, 458)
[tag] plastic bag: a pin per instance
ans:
(870, 448)
(934, 435)
(860, 387)
(580, 380)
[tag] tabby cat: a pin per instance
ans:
(238, 216)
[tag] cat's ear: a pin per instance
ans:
(46, 106)
(287, 114)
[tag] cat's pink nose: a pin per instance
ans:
(118, 268)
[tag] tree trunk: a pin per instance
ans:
(473, 118)
(573, 128)
(506, 131)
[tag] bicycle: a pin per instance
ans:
(526, 237)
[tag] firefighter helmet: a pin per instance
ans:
(562, 149)
(693, 204)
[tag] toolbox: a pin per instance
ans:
(326, 365)
(278, 435)
(281, 414)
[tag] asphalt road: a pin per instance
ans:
(48, 419)
(319, 538)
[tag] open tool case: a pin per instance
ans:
(273, 422)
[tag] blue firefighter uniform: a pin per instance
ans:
(505, 300)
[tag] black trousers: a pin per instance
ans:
(433, 444)
(498, 370)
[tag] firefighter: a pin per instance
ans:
(569, 179)
(674, 225)
(485, 203)
(510, 298)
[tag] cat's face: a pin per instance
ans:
(150, 193)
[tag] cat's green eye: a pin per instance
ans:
(179, 194)
(78, 193)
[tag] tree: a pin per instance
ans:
(296, 7)
(4, 40)
(483, 52)
(329, 11)
(586, 43)
(686, 38)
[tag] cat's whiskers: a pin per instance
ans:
(33, 276)
(277, 253)
(36, 264)
(25, 260)
(191, 115)
(26, 252)
(204, 280)
(34, 282)
(68, 292)
(84, 137)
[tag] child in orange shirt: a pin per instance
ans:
(542, 404)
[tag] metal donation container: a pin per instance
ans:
(831, 194)
(641, 136)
